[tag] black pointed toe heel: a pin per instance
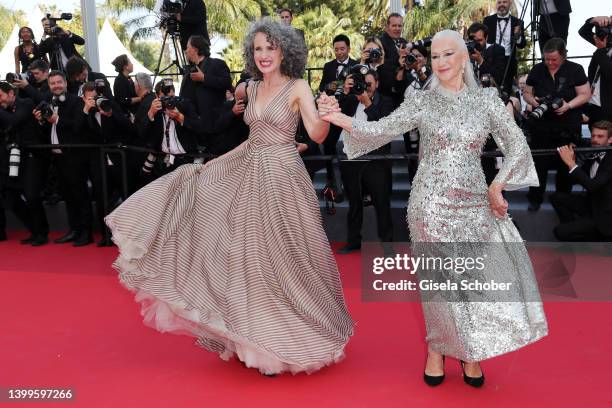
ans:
(475, 382)
(434, 380)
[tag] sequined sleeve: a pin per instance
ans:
(517, 170)
(368, 136)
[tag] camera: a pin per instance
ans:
(410, 59)
(425, 42)
(11, 77)
(103, 104)
(487, 81)
(472, 46)
(100, 86)
(546, 103)
(170, 102)
(54, 30)
(148, 165)
(603, 32)
(191, 69)
(358, 73)
(169, 10)
(45, 108)
(14, 159)
(375, 56)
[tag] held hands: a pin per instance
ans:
(497, 203)
(327, 106)
(568, 155)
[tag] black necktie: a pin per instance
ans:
(503, 18)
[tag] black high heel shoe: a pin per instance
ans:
(475, 382)
(434, 380)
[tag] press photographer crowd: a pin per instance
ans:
(55, 98)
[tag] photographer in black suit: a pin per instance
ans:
(59, 44)
(486, 58)
(600, 68)
(205, 83)
(193, 21)
(509, 32)
(374, 176)
(170, 127)
(104, 122)
(17, 126)
(394, 47)
(59, 120)
(558, 11)
(38, 89)
(78, 72)
(587, 217)
(230, 129)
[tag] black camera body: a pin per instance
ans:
(171, 102)
(103, 104)
(547, 103)
(54, 30)
(169, 10)
(11, 77)
(191, 69)
(375, 56)
(358, 73)
(45, 108)
(410, 59)
(472, 46)
(603, 32)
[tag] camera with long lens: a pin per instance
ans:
(358, 73)
(103, 104)
(14, 159)
(425, 42)
(410, 59)
(603, 32)
(11, 77)
(472, 46)
(487, 81)
(375, 56)
(45, 108)
(148, 165)
(547, 103)
(169, 10)
(54, 30)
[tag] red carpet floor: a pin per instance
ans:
(65, 322)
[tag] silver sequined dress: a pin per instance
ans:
(449, 203)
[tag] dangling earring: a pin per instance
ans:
(463, 70)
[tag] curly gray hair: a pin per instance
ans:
(291, 45)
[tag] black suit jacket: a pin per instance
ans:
(124, 91)
(391, 53)
(69, 112)
(73, 86)
(599, 191)
(37, 92)
(330, 72)
(114, 129)
(563, 6)
(152, 132)
(381, 106)
(20, 125)
(67, 43)
(494, 62)
(491, 23)
(230, 131)
(193, 21)
(208, 96)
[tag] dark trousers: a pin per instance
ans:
(512, 65)
(35, 169)
(114, 183)
(11, 199)
(546, 140)
(73, 171)
(376, 178)
(329, 148)
(577, 223)
(560, 26)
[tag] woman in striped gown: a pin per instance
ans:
(233, 251)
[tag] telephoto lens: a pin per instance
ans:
(14, 160)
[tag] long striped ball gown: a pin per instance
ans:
(233, 252)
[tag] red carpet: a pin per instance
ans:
(67, 323)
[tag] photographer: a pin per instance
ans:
(170, 127)
(18, 129)
(600, 68)
(486, 58)
(557, 89)
(104, 122)
(230, 129)
(363, 101)
(36, 89)
(78, 72)
(192, 21)
(558, 13)
(587, 216)
(59, 43)
(59, 118)
(205, 82)
(509, 32)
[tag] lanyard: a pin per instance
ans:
(502, 32)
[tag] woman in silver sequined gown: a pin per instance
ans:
(450, 203)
